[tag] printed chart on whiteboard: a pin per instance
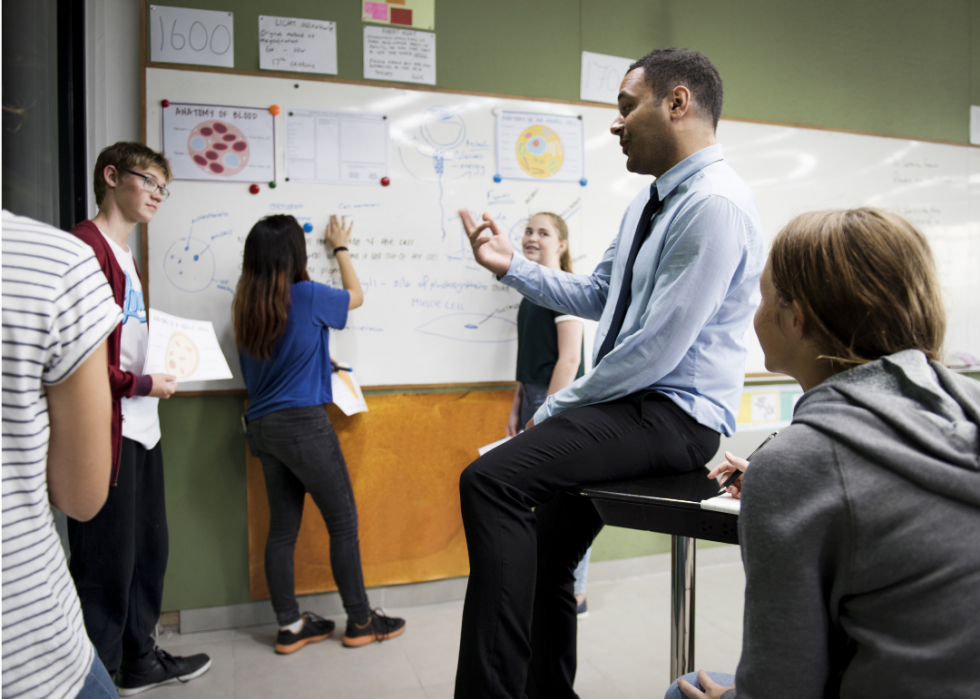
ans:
(336, 147)
(219, 143)
(540, 147)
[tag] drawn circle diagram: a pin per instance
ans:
(218, 148)
(189, 264)
(442, 128)
(182, 356)
(539, 151)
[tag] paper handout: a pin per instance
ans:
(187, 349)
(722, 503)
(346, 390)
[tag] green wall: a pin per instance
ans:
(884, 66)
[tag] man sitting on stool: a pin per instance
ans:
(673, 295)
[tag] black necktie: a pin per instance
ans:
(625, 293)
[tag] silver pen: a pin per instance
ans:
(736, 473)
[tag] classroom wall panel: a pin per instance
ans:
(780, 62)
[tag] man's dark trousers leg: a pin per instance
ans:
(522, 559)
(119, 558)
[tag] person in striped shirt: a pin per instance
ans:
(57, 312)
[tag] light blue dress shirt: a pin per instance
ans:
(694, 292)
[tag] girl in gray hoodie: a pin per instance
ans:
(860, 523)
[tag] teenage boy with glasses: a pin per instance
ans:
(118, 559)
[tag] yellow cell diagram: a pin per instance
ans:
(539, 151)
(182, 356)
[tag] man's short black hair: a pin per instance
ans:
(665, 69)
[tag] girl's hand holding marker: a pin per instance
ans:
(733, 469)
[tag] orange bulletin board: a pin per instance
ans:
(404, 456)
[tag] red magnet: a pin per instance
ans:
(274, 110)
(165, 103)
(385, 182)
(254, 189)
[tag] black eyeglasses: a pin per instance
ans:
(149, 184)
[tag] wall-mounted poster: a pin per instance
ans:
(219, 143)
(411, 14)
(540, 147)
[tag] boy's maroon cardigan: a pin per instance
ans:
(123, 384)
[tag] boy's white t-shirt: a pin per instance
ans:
(139, 413)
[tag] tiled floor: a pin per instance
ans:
(623, 647)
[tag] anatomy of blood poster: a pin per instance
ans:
(219, 143)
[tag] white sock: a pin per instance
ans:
(294, 627)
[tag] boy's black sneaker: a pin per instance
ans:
(156, 668)
(314, 629)
(378, 628)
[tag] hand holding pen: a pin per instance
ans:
(734, 467)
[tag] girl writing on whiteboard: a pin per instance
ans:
(282, 322)
(549, 346)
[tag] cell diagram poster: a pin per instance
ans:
(540, 147)
(219, 143)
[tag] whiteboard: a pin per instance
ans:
(431, 315)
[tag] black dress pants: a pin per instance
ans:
(526, 535)
(119, 558)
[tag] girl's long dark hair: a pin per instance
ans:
(274, 259)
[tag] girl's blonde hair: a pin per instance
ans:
(866, 281)
(565, 261)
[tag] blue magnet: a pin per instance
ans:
(308, 227)
(583, 181)
(497, 178)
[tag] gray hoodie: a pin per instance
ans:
(860, 531)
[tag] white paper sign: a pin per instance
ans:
(399, 54)
(975, 125)
(540, 147)
(187, 349)
(185, 35)
(601, 77)
(302, 45)
(219, 143)
(336, 147)
(346, 390)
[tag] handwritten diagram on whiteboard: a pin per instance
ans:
(540, 147)
(219, 143)
(336, 147)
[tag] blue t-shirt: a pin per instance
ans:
(298, 374)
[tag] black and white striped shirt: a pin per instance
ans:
(57, 309)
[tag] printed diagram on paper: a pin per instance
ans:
(219, 143)
(540, 147)
(336, 147)
(187, 349)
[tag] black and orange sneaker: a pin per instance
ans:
(378, 628)
(314, 629)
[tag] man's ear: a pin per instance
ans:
(111, 176)
(680, 102)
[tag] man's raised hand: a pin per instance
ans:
(493, 251)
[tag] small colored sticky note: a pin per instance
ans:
(376, 10)
(400, 16)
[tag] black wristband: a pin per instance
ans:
(336, 250)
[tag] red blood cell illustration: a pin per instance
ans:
(218, 148)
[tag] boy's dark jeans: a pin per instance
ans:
(300, 454)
